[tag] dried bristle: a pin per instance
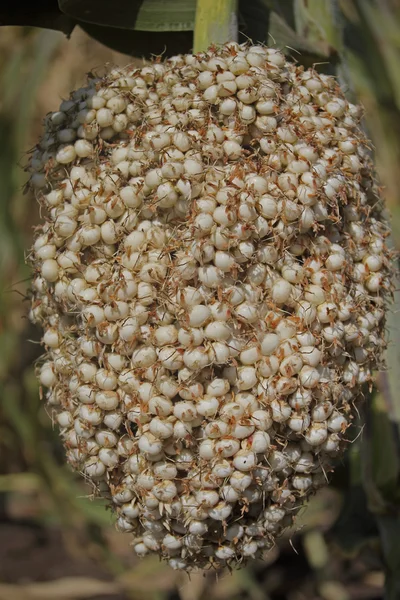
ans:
(211, 279)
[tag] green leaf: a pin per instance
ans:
(143, 44)
(141, 28)
(138, 15)
(152, 27)
(135, 27)
(41, 13)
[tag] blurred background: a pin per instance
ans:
(56, 542)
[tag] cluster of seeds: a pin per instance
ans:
(211, 279)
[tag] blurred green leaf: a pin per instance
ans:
(216, 23)
(380, 458)
(360, 40)
(293, 35)
(66, 588)
(389, 380)
(20, 482)
(316, 21)
(287, 38)
(382, 24)
(356, 526)
(254, 20)
(389, 529)
(316, 549)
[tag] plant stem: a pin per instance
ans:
(216, 23)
